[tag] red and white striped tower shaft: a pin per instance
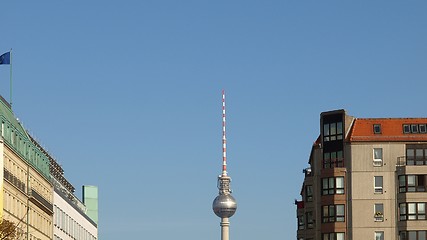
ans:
(224, 139)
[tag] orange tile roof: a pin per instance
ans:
(391, 130)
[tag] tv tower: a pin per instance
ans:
(224, 205)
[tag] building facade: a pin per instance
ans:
(32, 192)
(366, 179)
(27, 189)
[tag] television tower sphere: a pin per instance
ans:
(224, 205)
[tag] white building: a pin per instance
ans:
(71, 221)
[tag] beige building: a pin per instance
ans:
(27, 192)
(366, 180)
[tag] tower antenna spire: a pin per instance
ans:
(224, 138)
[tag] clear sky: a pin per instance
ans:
(126, 95)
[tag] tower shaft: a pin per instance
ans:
(225, 229)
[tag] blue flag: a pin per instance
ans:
(5, 58)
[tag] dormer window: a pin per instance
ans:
(406, 128)
(377, 128)
(422, 128)
(414, 128)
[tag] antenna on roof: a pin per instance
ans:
(224, 139)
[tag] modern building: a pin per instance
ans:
(71, 218)
(35, 195)
(366, 179)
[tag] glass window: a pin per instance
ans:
(377, 128)
(339, 127)
(412, 235)
(340, 185)
(414, 128)
(421, 211)
(410, 156)
(411, 183)
(333, 213)
(326, 131)
(340, 213)
(406, 128)
(422, 128)
(309, 193)
(333, 236)
(378, 154)
(310, 220)
(402, 211)
(412, 211)
(378, 157)
(421, 235)
(340, 159)
(332, 185)
(301, 222)
(379, 212)
(378, 184)
(333, 129)
(379, 235)
(419, 156)
(325, 186)
(327, 160)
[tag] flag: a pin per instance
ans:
(5, 58)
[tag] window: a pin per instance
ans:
(310, 220)
(379, 212)
(332, 185)
(378, 184)
(377, 128)
(412, 235)
(414, 128)
(333, 159)
(379, 235)
(412, 211)
(412, 183)
(333, 236)
(309, 193)
(333, 213)
(339, 187)
(378, 157)
(406, 128)
(332, 131)
(301, 222)
(416, 154)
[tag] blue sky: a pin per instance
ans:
(127, 96)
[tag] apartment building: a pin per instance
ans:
(366, 179)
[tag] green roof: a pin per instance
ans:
(17, 138)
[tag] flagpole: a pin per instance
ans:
(10, 78)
